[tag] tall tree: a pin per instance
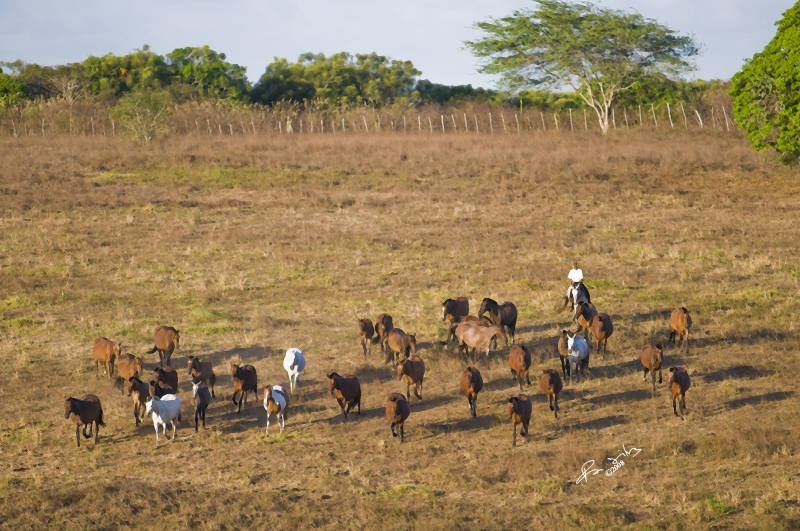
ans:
(596, 51)
(204, 72)
(114, 75)
(766, 93)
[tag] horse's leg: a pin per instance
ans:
(78, 435)
(155, 425)
(674, 407)
(402, 433)
(653, 374)
(96, 431)
(394, 434)
(174, 431)
(514, 439)
(196, 417)
(267, 430)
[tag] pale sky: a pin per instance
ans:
(430, 33)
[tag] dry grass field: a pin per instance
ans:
(252, 245)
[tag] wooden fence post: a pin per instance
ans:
(443, 123)
(544, 127)
(570, 120)
(669, 113)
(625, 112)
(503, 117)
(466, 127)
(685, 121)
(477, 130)
(641, 122)
(491, 127)
(585, 121)
(699, 118)
(652, 108)
(724, 112)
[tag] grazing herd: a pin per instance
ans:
(473, 334)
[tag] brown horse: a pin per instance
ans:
(105, 351)
(453, 309)
(400, 343)
(397, 411)
(583, 315)
(471, 385)
(245, 380)
(519, 359)
(678, 383)
(551, 385)
(651, 358)
(365, 333)
(85, 412)
(519, 411)
(502, 315)
(202, 371)
(167, 339)
(128, 366)
(383, 325)
(347, 390)
(680, 322)
(412, 372)
(563, 352)
(139, 391)
(601, 328)
(479, 321)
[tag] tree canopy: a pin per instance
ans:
(338, 79)
(596, 51)
(766, 93)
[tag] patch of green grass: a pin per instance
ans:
(204, 314)
(17, 323)
(601, 283)
(210, 329)
(717, 506)
(545, 486)
(18, 301)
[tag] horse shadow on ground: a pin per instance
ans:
(469, 424)
(539, 328)
(596, 424)
(739, 372)
(776, 396)
(252, 416)
(371, 374)
(353, 416)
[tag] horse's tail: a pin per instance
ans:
(100, 418)
(155, 348)
(179, 417)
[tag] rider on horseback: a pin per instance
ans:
(577, 291)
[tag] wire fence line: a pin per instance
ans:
(87, 117)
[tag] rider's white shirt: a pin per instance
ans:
(575, 275)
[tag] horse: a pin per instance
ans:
(139, 391)
(397, 411)
(453, 309)
(519, 411)
(201, 371)
(167, 339)
(519, 359)
(471, 385)
(400, 343)
(412, 372)
(479, 321)
(294, 362)
(502, 315)
(680, 321)
(275, 403)
(678, 383)
(244, 379)
(576, 292)
(85, 412)
(166, 409)
(583, 315)
(651, 358)
(551, 385)
(347, 390)
(105, 351)
(201, 399)
(477, 338)
(578, 354)
(383, 325)
(365, 333)
(601, 328)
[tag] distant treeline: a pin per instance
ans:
(202, 74)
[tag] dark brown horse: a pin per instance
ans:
(519, 359)
(502, 315)
(519, 411)
(245, 380)
(397, 411)
(453, 309)
(85, 412)
(347, 390)
(652, 357)
(167, 339)
(383, 325)
(551, 385)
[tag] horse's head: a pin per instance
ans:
(117, 350)
(444, 309)
(68, 407)
(484, 308)
(412, 342)
(177, 339)
(148, 408)
(234, 370)
(401, 366)
(195, 387)
(333, 381)
(192, 364)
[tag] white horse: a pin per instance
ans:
(294, 362)
(577, 354)
(275, 402)
(165, 409)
